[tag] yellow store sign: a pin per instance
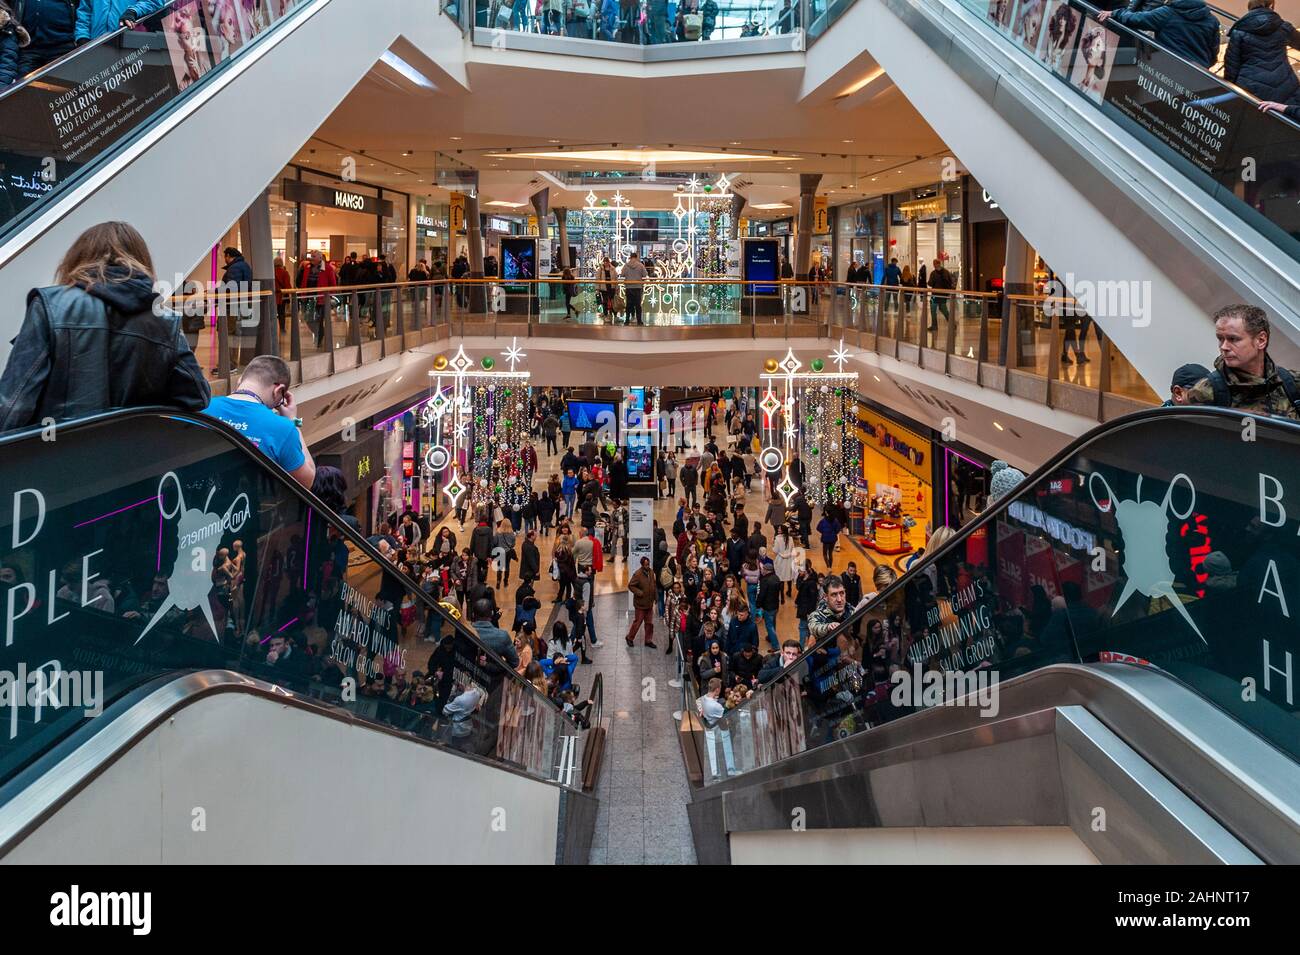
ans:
(897, 444)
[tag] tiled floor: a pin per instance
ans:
(643, 790)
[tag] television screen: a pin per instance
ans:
(640, 456)
(599, 416)
(760, 266)
(645, 229)
(518, 261)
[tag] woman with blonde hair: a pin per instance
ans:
(129, 349)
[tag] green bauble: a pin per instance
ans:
(505, 423)
(478, 419)
(500, 489)
(818, 364)
(604, 202)
(708, 188)
(487, 362)
(839, 422)
(816, 451)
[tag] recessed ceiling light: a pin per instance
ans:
(877, 377)
(846, 140)
(457, 138)
(998, 426)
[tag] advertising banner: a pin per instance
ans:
(79, 109)
(640, 530)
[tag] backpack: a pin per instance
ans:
(1223, 396)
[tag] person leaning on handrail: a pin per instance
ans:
(99, 338)
(1257, 58)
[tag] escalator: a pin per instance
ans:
(1156, 190)
(179, 124)
(193, 644)
(1113, 640)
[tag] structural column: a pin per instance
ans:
(255, 235)
(474, 239)
(737, 207)
(1019, 281)
(562, 229)
(808, 183)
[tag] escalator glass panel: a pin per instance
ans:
(145, 545)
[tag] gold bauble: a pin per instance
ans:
(440, 363)
(770, 366)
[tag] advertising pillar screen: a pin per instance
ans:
(518, 262)
(761, 266)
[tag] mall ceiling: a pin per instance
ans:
(864, 137)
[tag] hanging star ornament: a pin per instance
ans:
(513, 354)
(840, 356)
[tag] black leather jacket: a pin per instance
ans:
(80, 351)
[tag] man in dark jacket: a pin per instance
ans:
(51, 26)
(238, 271)
(690, 479)
(13, 38)
(940, 279)
(480, 541)
(642, 587)
(746, 664)
(127, 355)
(530, 559)
(742, 632)
(1256, 58)
(769, 600)
(777, 662)
(1185, 27)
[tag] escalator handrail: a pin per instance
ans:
(318, 507)
(1025, 487)
(293, 17)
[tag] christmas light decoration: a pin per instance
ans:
(810, 414)
(486, 415)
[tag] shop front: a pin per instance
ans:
(361, 461)
(965, 473)
(311, 212)
(860, 238)
(431, 233)
(987, 238)
(895, 500)
(925, 225)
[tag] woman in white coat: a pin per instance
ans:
(783, 548)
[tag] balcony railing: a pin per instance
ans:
(1027, 346)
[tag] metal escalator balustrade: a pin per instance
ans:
(73, 114)
(145, 544)
(1140, 544)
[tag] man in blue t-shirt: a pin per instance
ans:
(264, 411)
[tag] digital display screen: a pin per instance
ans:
(640, 456)
(760, 266)
(518, 261)
(594, 416)
(645, 229)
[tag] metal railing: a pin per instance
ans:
(1029, 346)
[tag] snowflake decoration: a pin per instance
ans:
(513, 354)
(840, 356)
